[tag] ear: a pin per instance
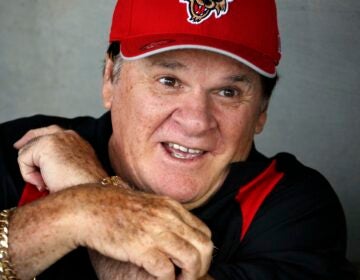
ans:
(261, 122)
(108, 86)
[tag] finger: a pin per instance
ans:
(29, 144)
(29, 170)
(190, 219)
(195, 232)
(158, 264)
(183, 254)
(29, 165)
(34, 133)
(37, 180)
(197, 224)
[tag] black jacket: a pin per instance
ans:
(298, 231)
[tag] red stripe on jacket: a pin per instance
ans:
(252, 195)
(31, 193)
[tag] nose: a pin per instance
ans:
(195, 114)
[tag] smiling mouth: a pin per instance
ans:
(182, 152)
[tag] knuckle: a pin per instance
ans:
(169, 202)
(202, 238)
(21, 153)
(208, 248)
(157, 263)
(54, 128)
(193, 259)
(168, 208)
(165, 269)
(204, 243)
(208, 232)
(164, 235)
(50, 140)
(203, 228)
(71, 132)
(160, 264)
(32, 132)
(63, 137)
(33, 141)
(206, 256)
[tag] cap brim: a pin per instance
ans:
(141, 47)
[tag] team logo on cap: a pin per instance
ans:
(200, 10)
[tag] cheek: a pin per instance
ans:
(126, 122)
(137, 114)
(238, 134)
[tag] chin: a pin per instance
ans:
(180, 194)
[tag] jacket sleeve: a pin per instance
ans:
(10, 178)
(298, 233)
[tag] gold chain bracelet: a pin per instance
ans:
(116, 181)
(113, 180)
(7, 271)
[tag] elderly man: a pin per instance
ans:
(168, 184)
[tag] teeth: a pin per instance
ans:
(178, 155)
(193, 151)
(184, 149)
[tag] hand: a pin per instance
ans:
(110, 269)
(54, 158)
(152, 232)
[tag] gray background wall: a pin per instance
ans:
(51, 58)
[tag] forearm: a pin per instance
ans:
(102, 218)
(40, 233)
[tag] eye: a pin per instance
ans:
(228, 92)
(169, 82)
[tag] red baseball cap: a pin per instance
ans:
(245, 30)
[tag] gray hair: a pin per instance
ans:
(118, 62)
(114, 55)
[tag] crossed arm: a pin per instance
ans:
(81, 212)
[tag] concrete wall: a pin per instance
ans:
(315, 111)
(51, 55)
(51, 58)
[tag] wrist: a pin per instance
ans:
(87, 177)
(40, 233)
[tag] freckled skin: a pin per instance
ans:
(48, 152)
(127, 217)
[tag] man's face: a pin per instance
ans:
(179, 119)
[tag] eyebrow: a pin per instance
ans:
(174, 64)
(239, 78)
(169, 64)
